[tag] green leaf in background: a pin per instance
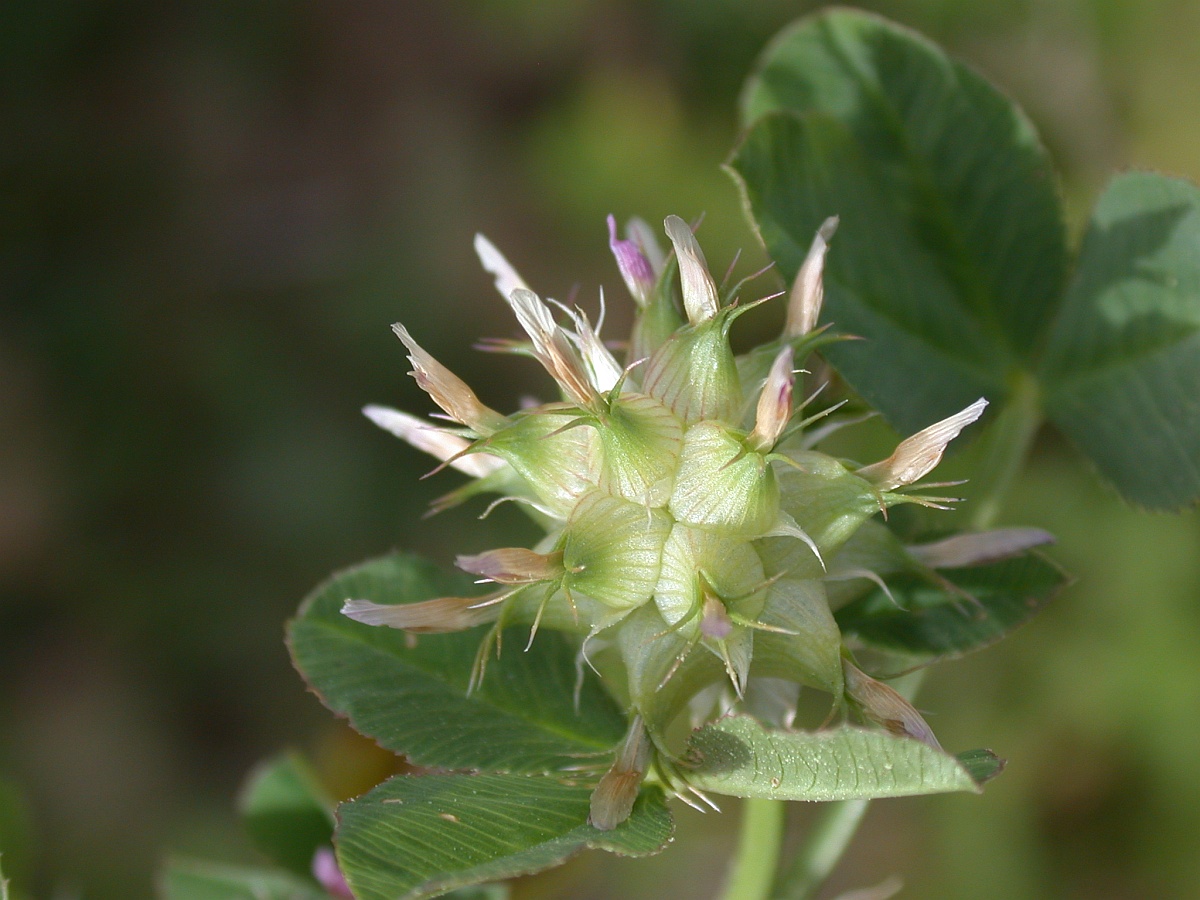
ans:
(932, 622)
(983, 765)
(950, 256)
(741, 757)
(417, 836)
(186, 879)
(410, 693)
(286, 812)
(1121, 372)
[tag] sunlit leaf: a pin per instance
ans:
(1122, 368)
(741, 757)
(950, 256)
(410, 693)
(923, 618)
(418, 836)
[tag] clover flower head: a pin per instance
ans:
(691, 523)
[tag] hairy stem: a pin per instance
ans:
(753, 872)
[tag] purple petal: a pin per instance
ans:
(635, 268)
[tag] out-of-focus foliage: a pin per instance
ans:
(213, 211)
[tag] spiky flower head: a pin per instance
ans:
(691, 523)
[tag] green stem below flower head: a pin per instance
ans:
(753, 873)
(1005, 448)
(754, 863)
(830, 836)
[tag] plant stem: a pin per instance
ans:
(833, 830)
(830, 836)
(1005, 449)
(757, 856)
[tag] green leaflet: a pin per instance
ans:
(410, 693)
(419, 836)
(928, 621)
(951, 254)
(1121, 373)
(950, 258)
(741, 757)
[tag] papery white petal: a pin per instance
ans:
(435, 441)
(916, 456)
(430, 616)
(552, 347)
(808, 290)
(507, 279)
(446, 389)
(886, 706)
(699, 292)
(603, 368)
(638, 231)
(977, 549)
(774, 409)
(512, 565)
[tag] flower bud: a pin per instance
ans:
(695, 375)
(556, 455)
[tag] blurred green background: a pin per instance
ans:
(211, 212)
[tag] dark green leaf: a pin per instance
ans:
(950, 256)
(739, 756)
(286, 812)
(931, 621)
(418, 836)
(983, 765)
(1122, 368)
(194, 880)
(410, 693)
